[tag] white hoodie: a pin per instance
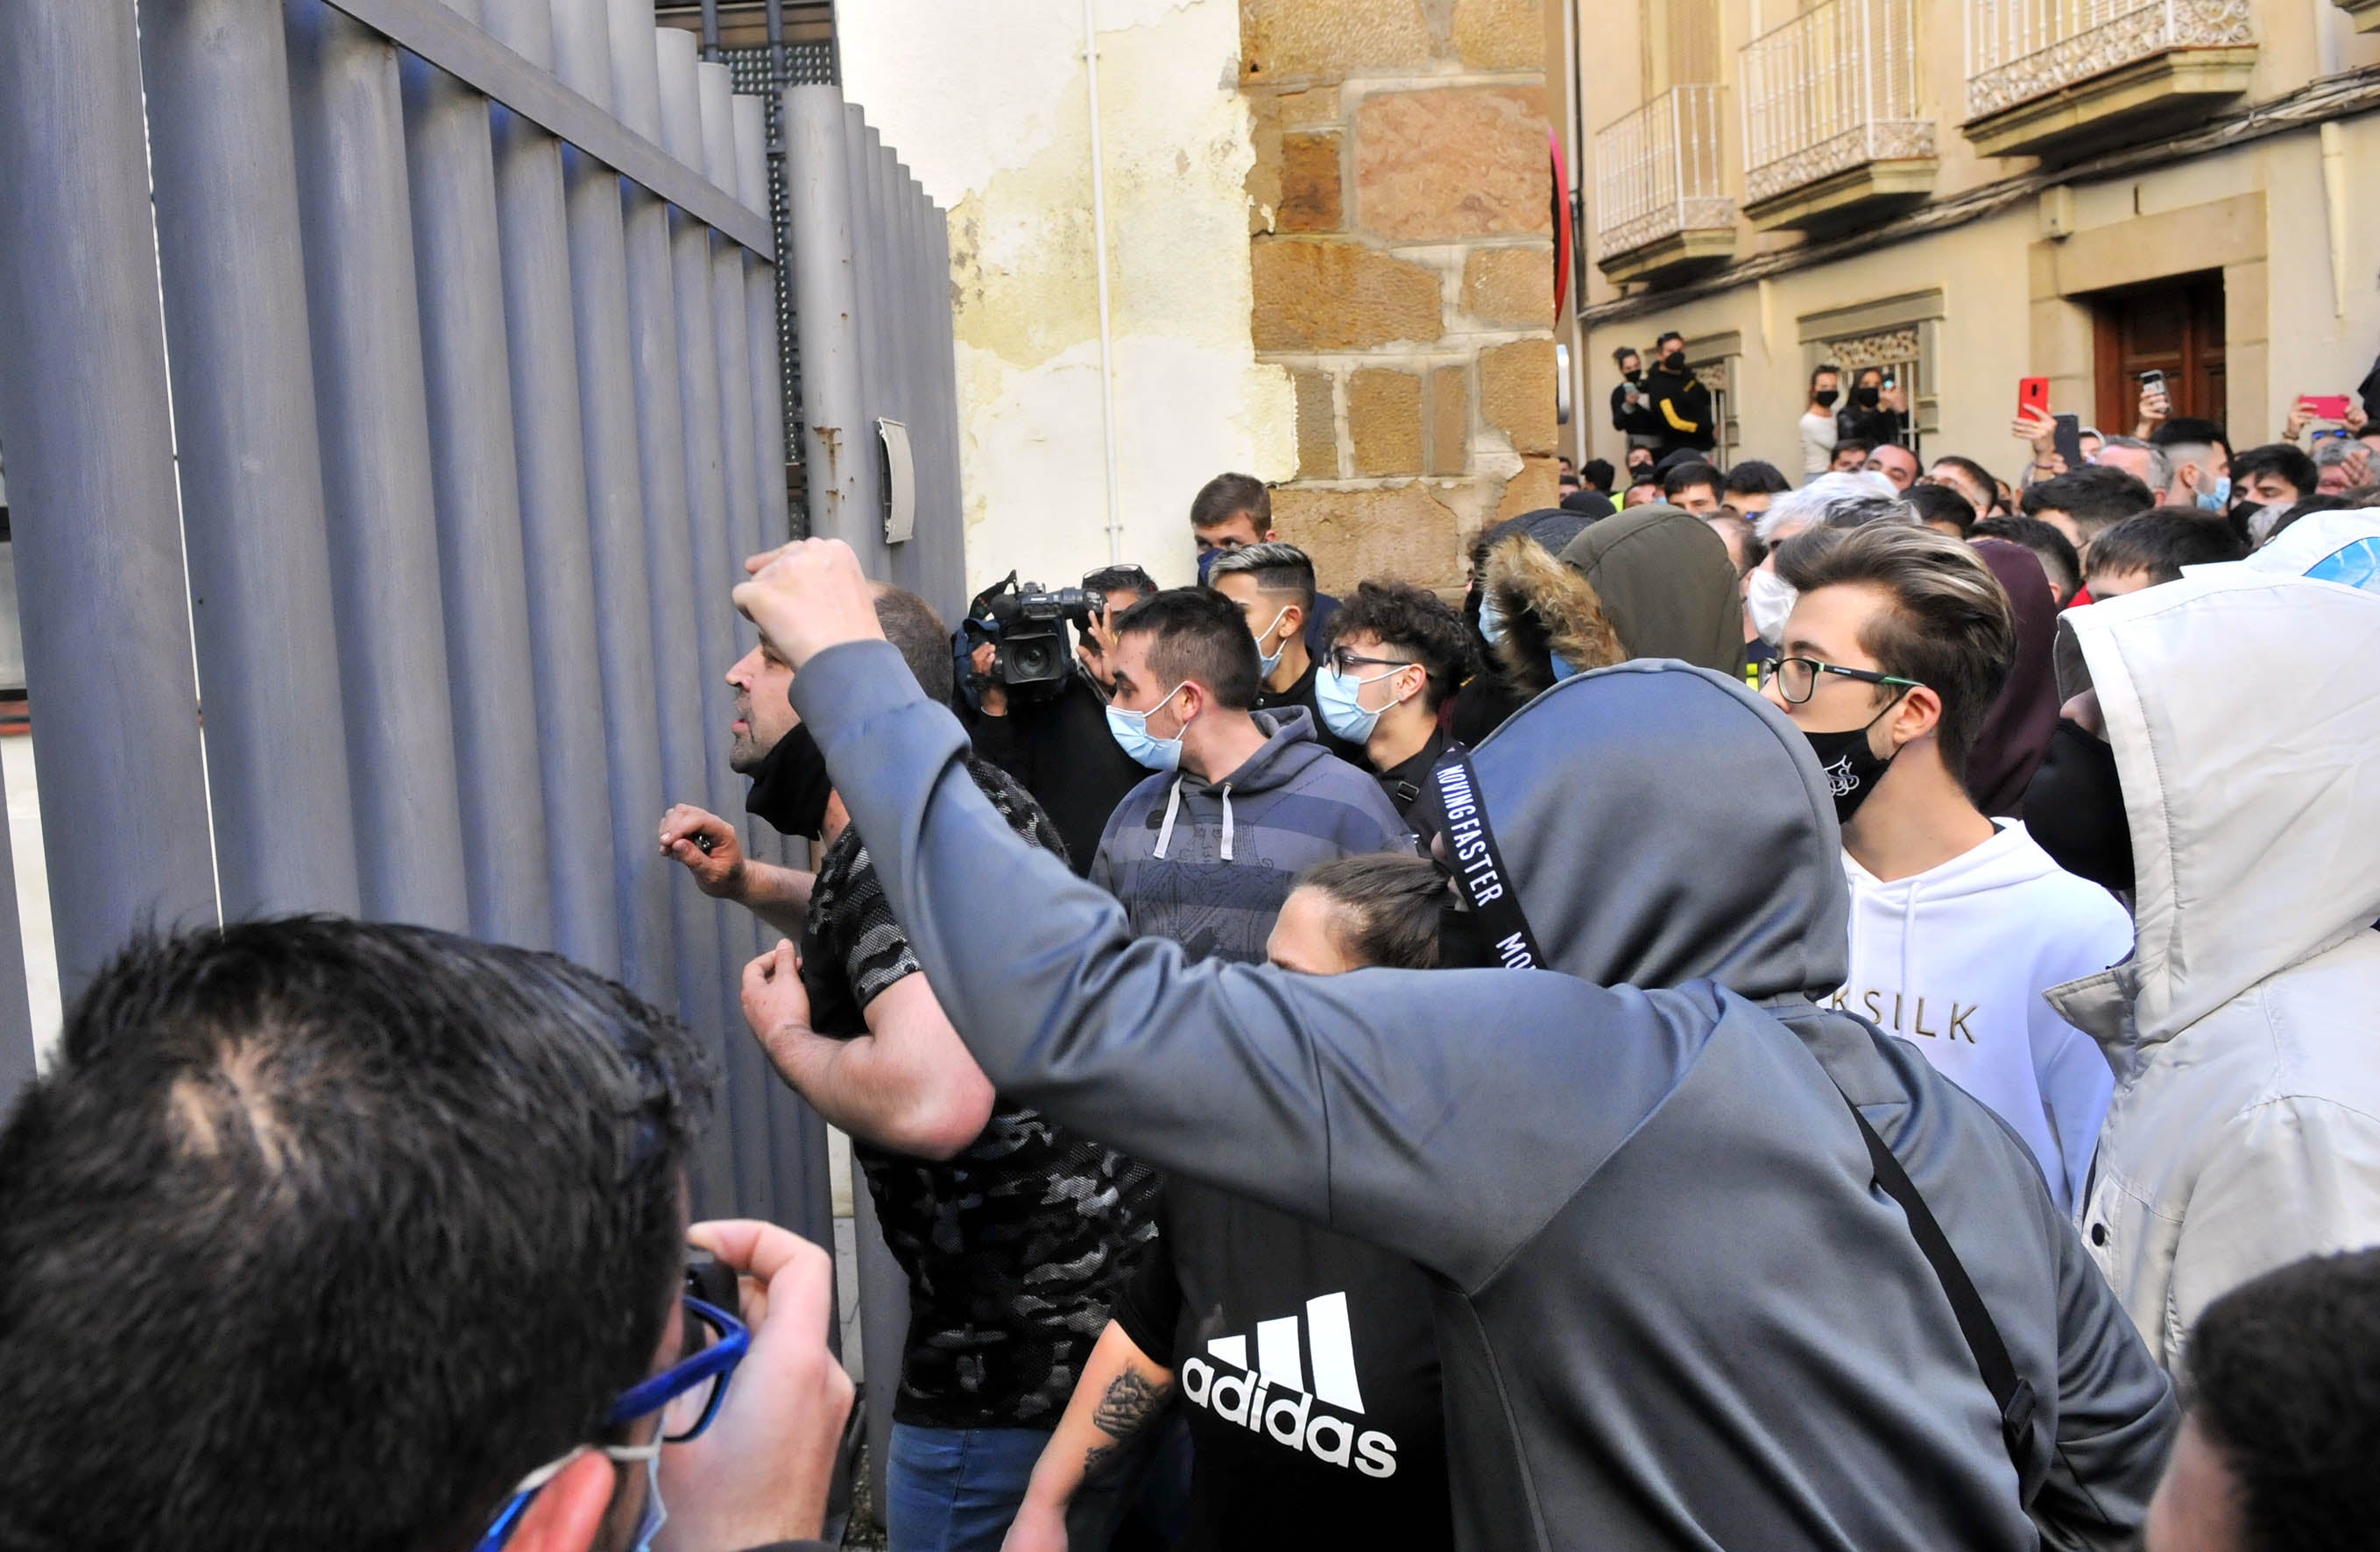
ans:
(1954, 960)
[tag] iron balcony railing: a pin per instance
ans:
(2018, 50)
(1833, 89)
(1657, 172)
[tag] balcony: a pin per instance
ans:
(2057, 78)
(1832, 130)
(2366, 14)
(1659, 208)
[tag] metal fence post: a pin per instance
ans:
(17, 1045)
(615, 511)
(826, 304)
(225, 192)
(543, 331)
(661, 444)
(731, 329)
(866, 521)
(101, 588)
(383, 520)
(715, 574)
(459, 274)
(760, 330)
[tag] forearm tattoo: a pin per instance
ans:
(1130, 1402)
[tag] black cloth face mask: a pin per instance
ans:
(1675, 360)
(2074, 809)
(1825, 397)
(1867, 398)
(790, 786)
(1851, 768)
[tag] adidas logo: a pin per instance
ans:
(1272, 1399)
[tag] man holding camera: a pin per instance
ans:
(1052, 735)
(324, 1233)
(1013, 1232)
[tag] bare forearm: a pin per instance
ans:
(1122, 1391)
(780, 896)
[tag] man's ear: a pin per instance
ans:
(1919, 713)
(1295, 618)
(567, 1513)
(1272, 536)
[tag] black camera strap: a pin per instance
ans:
(1479, 872)
(1457, 815)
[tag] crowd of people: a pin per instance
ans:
(1835, 1013)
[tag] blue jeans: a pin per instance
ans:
(956, 1489)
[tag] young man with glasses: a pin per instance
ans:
(338, 1234)
(1397, 652)
(1899, 641)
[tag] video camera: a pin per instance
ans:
(1028, 622)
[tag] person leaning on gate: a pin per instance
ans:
(1667, 1139)
(324, 1233)
(1014, 1232)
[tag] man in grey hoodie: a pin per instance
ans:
(1675, 1308)
(1204, 851)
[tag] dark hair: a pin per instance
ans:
(2291, 463)
(1227, 496)
(1277, 567)
(1684, 477)
(1598, 474)
(324, 1233)
(911, 625)
(1852, 444)
(1198, 634)
(1125, 578)
(1621, 352)
(1665, 337)
(1391, 905)
(2189, 430)
(1821, 369)
(1949, 626)
(1872, 367)
(2282, 1377)
(2051, 548)
(1754, 478)
(2163, 542)
(1411, 619)
(1940, 504)
(2096, 496)
(1984, 479)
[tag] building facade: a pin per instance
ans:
(1326, 228)
(1972, 193)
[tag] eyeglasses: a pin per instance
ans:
(1342, 661)
(687, 1394)
(1797, 678)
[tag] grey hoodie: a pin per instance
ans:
(1673, 1310)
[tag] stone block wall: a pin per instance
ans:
(1401, 264)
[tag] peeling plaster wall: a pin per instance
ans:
(987, 103)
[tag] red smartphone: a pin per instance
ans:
(2325, 407)
(2032, 394)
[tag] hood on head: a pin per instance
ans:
(1547, 608)
(1666, 585)
(2244, 716)
(1663, 824)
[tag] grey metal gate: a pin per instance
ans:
(423, 430)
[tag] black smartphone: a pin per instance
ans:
(709, 1280)
(2069, 440)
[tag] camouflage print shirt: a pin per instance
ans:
(1015, 1246)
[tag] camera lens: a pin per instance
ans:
(1033, 660)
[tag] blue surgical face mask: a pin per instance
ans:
(1269, 663)
(1338, 695)
(1491, 620)
(1131, 731)
(2219, 498)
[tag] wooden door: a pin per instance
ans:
(2173, 326)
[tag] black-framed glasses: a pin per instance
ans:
(1345, 661)
(1797, 678)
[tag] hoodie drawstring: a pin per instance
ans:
(1173, 807)
(1227, 821)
